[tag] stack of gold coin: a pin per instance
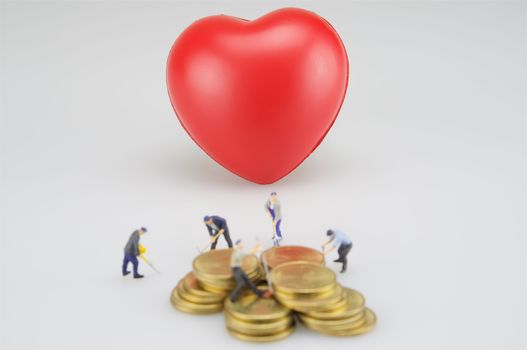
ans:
(306, 287)
(255, 319)
(300, 281)
(279, 255)
(351, 319)
(188, 296)
(213, 270)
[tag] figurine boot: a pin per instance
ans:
(344, 266)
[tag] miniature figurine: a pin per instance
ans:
(217, 226)
(241, 278)
(341, 241)
(274, 209)
(132, 251)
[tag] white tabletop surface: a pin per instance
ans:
(425, 168)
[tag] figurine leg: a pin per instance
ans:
(135, 263)
(239, 284)
(247, 281)
(213, 245)
(278, 231)
(235, 292)
(126, 260)
(241, 281)
(227, 237)
(343, 251)
(344, 265)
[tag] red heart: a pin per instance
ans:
(258, 96)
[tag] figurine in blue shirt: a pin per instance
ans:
(341, 241)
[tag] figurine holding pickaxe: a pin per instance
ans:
(217, 226)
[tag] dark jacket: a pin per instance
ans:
(220, 223)
(132, 246)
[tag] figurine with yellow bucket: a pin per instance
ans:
(133, 250)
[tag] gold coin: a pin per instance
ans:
(262, 338)
(193, 308)
(311, 296)
(178, 296)
(216, 265)
(213, 289)
(221, 280)
(192, 291)
(307, 304)
(354, 305)
(279, 255)
(334, 325)
(191, 284)
(302, 277)
(225, 285)
(189, 310)
(331, 309)
(369, 322)
(253, 275)
(217, 284)
(258, 328)
(184, 294)
(339, 304)
(320, 295)
(251, 307)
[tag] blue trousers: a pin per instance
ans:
(278, 232)
(129, 258)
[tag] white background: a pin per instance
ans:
(425, 168)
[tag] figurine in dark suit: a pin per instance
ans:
(131, 252)
(217, 226)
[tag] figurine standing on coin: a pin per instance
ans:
(341, 241)
(241, 278)
(132, 251)
(274, 209)
(217, 226)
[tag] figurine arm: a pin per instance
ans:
(256, 248)
(215, 237)
(277, 212)
(328, 242)
(329, 250)
(266, 206)
(135, 246)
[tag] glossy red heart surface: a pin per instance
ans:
(258, 96)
